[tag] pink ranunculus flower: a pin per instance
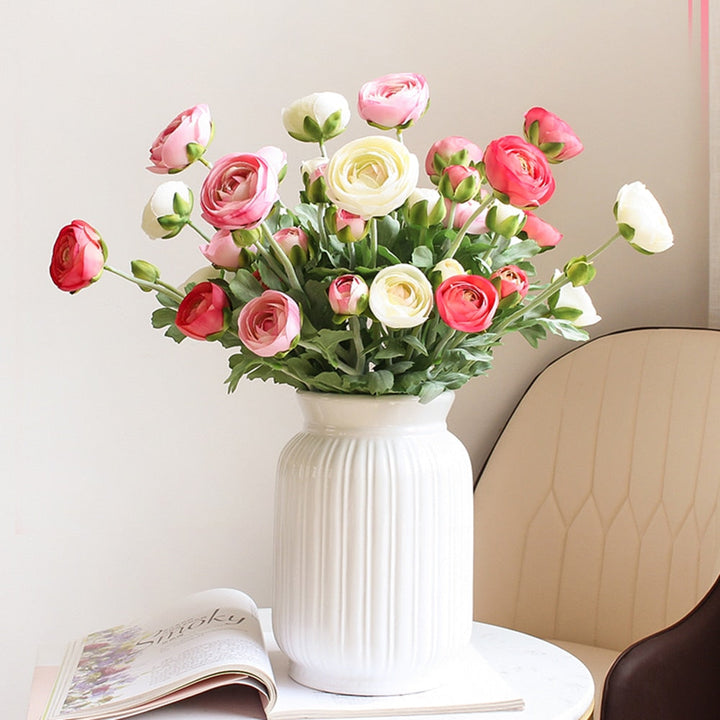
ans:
(463, 211)
(452, 150)
(467, 302)
(348, 295)
(544, 234)
(511, 279)
(276, 158)
(223, 252)
(518, 172)
(270, 323)
(239, 191)
(78, 257)
(394, 101)
(551, 134)
(203, 311)
(183, 141)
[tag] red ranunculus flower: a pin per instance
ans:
(78, 257)
(467, 302)
(518, 171)
(202, 312)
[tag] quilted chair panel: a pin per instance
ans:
(596, 515)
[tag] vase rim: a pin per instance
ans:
(341, 412)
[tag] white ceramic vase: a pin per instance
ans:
(373, 545)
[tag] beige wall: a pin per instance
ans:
(129, 476)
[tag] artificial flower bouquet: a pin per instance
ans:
(371, 284)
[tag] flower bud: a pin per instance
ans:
(348, 295)
(313, 177)
(459, 183)
(223, 251)
(511, 283)
(551, 134)
(143, 270)
(453, 150)
(348, 227)
(444, 269)
(424, 208)
(168, 210)
(579, 271)
(504, 219)
(316, 117)
(293, 241)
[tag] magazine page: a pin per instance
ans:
(208, 640)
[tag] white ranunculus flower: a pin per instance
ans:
(401, 296)
(168, 210)
(577, 298)
(371, 176)
(641, 220)
(319, 107)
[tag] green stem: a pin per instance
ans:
(443, 344)
(191, 224)
(603, 247)
(270, 260)
(283, 258)
(373, 242)
(358, 344)
(323, 152)
(146, 284)
(399, 135)
(463, 230)
(205, 162)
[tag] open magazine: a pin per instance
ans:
(214, 639)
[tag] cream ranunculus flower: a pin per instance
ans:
(401, 296)
(576, 298)
(371, 176)
(316, 117)
(641, 220)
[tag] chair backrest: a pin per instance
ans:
(596, 515)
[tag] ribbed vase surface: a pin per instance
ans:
(373, 545)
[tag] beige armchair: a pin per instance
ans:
(596, 515)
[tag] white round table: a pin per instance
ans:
(554, 684)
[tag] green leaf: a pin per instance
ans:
(245, 286)
(380, 382)
(415, 343)
(430, 390)
(422, 257)
(162, 317)
(174, 332)
(386, 254)
(566, 329)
